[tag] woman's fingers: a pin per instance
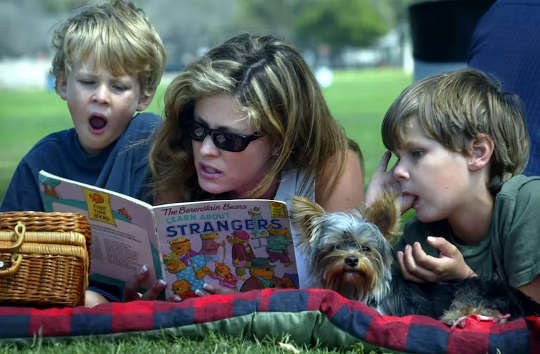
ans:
(130, 289)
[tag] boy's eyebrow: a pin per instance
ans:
(84, 71)
(407, 143)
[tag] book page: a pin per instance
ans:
(123, 233)
(238, 244)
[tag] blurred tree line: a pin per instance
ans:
(188, 27)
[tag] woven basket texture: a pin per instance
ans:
(55, 250)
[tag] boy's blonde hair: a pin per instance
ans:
(280, 96)
(455, 107)
(118, 36)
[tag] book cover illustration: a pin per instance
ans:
(238, 244)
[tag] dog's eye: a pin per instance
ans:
(366, 249)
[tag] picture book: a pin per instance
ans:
(241, 244)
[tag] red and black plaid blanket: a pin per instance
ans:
(306, 315)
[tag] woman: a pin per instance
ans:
(248, 120)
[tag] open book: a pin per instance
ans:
(242, 244)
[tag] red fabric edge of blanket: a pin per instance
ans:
(409, 333)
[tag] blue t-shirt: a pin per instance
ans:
(505, 44)
(121, 167)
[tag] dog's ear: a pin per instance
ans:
(304, 214)
(385, 214)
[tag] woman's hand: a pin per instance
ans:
(209, 289)
(420, 267)
(131, 293)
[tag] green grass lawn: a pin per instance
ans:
(358, 99)
(168, 344)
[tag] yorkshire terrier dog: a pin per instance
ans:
(349, 252)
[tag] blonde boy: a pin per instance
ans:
(461, 143)
(108, 63)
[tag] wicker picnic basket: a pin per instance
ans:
(44, 258)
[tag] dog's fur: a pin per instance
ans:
(349, 252)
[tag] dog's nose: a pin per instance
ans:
(351, 261)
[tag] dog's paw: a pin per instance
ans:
(457, 317)
(454, 317)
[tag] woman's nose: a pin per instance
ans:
(208, 147)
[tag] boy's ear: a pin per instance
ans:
(61, 85)
(145, 99)
(481, 150)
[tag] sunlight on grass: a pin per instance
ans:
(359, 100)
(166, 343)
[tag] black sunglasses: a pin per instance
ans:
(222, 140)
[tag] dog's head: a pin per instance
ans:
(348, 251)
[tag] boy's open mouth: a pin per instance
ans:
(97, 122)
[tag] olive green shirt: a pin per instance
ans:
(511, 250)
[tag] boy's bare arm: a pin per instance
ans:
(532, 289)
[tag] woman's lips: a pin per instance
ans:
(209, 172)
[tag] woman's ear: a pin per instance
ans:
(481, 150)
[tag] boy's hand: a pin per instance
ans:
(383, 180)
(420, 267)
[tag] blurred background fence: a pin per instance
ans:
(332, 33)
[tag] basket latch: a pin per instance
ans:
(16, 258)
